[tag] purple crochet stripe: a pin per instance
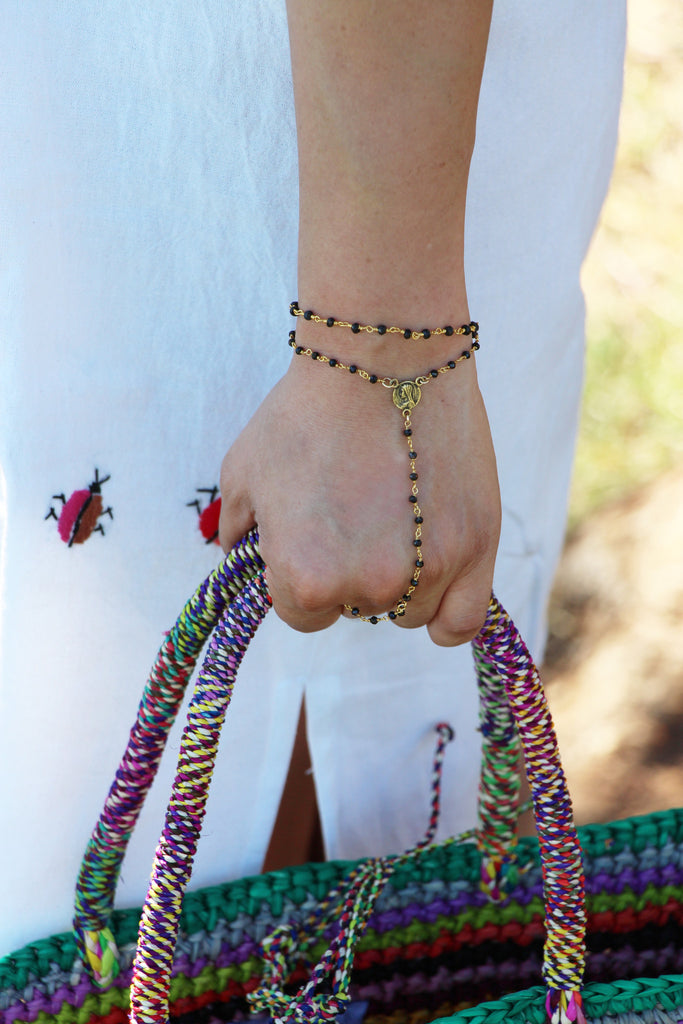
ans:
(508, 974)
(502, 647)
(178, 843)
(515, 973)
(160, 702)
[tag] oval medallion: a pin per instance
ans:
(406, 395)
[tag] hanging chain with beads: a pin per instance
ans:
(406, 394)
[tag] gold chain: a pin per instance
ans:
(406, 394)
(406, 332)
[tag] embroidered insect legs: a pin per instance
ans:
(79, 516)
(209, 515)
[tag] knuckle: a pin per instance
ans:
(308, 591)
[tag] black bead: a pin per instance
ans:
(330, 321)
(355, 328)
(354, 611)
(448, 331)
(353, 369)
(414, 582)
(474, 327)
(412, 499)
(406, 597)
(412, 455)
(417, 543)
(299, 349)
(374, 620)
(451, 364)
(419, 564)
(413, 476)
(292, 334)
(392, 615)
(433, 373)
(291, 341)
(333, 362)
(426, 334)
(381, 328)
(314, 355)
(308, 314)
(373, 378)
(407, 333)
(402, 612)
(293, 306)
(476, 346)
(465, 328)
(408, 432)
(467, 354)
(419, 519)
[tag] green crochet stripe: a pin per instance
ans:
(202, 910)
(600, 1001)
(34, 961)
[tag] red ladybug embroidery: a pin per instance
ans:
(209, 515)
(80, 514)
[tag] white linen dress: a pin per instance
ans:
(148, 210)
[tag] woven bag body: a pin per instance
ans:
(464, 930)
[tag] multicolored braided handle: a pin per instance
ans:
(233, 602)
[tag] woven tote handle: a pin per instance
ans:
(161, 699)
(234, 600)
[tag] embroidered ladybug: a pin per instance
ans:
(80, 514)
(209, 515)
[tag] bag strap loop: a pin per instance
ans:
(161, 699)
(234, 599)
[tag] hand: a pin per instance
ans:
(322, 468)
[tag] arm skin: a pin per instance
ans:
(386, 96)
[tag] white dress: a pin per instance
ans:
(148, 215)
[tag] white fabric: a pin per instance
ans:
(148, 225)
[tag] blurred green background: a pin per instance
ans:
(632, 421)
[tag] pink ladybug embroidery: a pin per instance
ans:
(209, 515)
(79, 516)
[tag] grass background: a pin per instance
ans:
(632, 420)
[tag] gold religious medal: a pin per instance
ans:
(406, 395)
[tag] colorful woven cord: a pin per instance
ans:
(160, 702)
(348, 908)
(564, 956)
(433, 941)
(499, 781)
(178, 843)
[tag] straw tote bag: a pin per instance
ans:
(483, 928)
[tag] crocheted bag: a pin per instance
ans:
(408, 938)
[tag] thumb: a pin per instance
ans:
(237, 513)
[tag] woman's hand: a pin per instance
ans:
(322, 468)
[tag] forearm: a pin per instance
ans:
(386, 97)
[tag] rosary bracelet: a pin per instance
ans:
(406, 394)
(424, 335)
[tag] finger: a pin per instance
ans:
(237, 514)
(462, 611)
(299, 601)
(426, 597)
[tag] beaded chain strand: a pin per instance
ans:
(406, 394)
(407, 332)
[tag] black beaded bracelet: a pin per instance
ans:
(422, 335)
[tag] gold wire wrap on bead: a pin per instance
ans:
(406, 394)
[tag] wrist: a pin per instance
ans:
(384, 349)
